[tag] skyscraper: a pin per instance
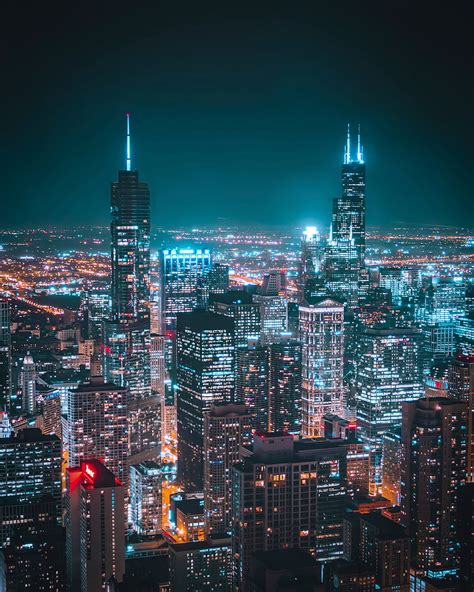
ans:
(348, 216)
(246, 314)
(97, 425)
(322, 341)
(434, 442)
(311, 260)
(251, 382)
(5, 353)
(95, 527)
(181, 272)
(30, 484)
(205, 375)
(130, 228)
(273, 316)
(127, 335)
(389, 371)
(288, 494)
(381, 544)
(201, 565)
(284, 386)
(226, 429)
(345, 257)
(145, 497)
(28, 384)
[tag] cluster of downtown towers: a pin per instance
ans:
(242, 363)
(290, 407)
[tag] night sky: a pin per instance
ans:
(239, 110)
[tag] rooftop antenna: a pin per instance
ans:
(359, 147)
(129, 158)
(347, 155)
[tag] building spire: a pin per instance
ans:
(360, 155)
(129, 158)
(347, 154)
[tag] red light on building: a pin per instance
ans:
(89, 472)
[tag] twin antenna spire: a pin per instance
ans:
(347, 149)
(128, 157)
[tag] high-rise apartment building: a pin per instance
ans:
(288, 494)
(322, 341)
(145, 497)
(158, 364)
(246, 314)
(97, 425)
(251, 382)
(284, 386)
(391, 465)
(434, 447)
(227, 428)
(95, 527)
(389, 371)
(201, 565)
(5, 353)
(205, 375)
(28, 384)
(382, 545)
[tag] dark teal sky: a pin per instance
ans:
(238, 110)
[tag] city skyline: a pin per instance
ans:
(239, 405)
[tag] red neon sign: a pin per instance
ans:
(89, 471)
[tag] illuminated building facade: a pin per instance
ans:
(433, 468)
(181, 273)
(130, 228)
(226, 428)
(95, 527)
(461, 388)
(246, 314)
(5, 353)
(383, 546)
(203, 565)
(127, 335)
(97, 425)
(321, 335)
(28, 384)
(311, 260)
(158, 364)
(273, 316)
(391, 465)
(205, 375)
(288, 494)
(342, 270)
(251, 382)
(145, 497)
(441, 302)
(284, 386)
(348, 215)
(389, 371)
(97, 309)
(30, 484)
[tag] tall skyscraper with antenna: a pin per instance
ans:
(348, 215)
(130, 228)
(127, 338)
(345, 253)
